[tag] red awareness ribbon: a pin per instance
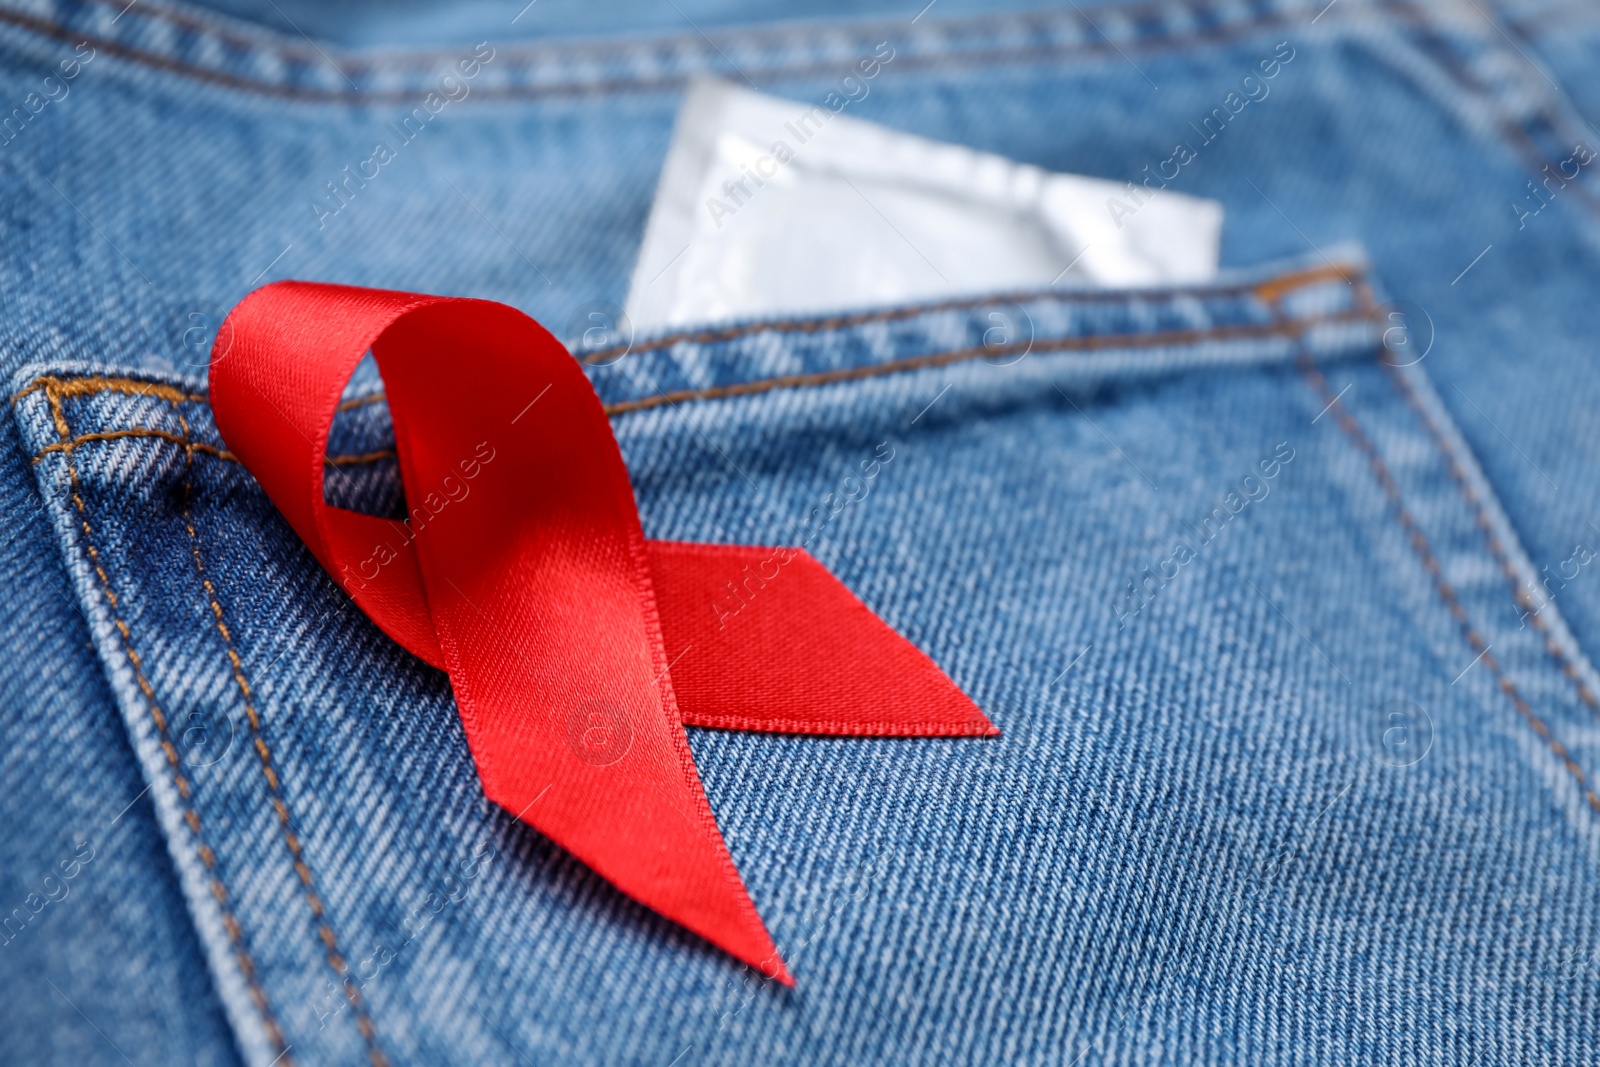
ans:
(576, 648)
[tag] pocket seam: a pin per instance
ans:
(1430, 563)
(1281, 327)
(302, 869)
(1492, 542)
(1269, 291)
(191, 817)
(1154, 339)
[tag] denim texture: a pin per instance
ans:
(1324, 791)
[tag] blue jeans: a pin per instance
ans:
(1280, 588)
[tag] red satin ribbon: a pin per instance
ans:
(576, 648)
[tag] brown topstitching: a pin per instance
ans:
(1171, 338)
(1430, 563)
(191, 818)
(1496, 548)
(1267, 291)
(269, 772)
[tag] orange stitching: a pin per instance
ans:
(95, 384)
(360, 401)
(1242, 331)
(198, 446)
(1419, 544)
(365, 457)
(264, 758)
(1496, 548)
(1286, 283)
(98, 383)
(138, 431)
(190, 817)
(1268, 291)
(1282, 327)
(1274, 289)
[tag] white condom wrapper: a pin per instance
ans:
(770, 207)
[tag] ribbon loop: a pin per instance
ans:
(577, 650)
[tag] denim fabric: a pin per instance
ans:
(94, 932)
(434, 24)
(1291, 770)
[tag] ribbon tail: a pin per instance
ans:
(642, 822)
(767, 639)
